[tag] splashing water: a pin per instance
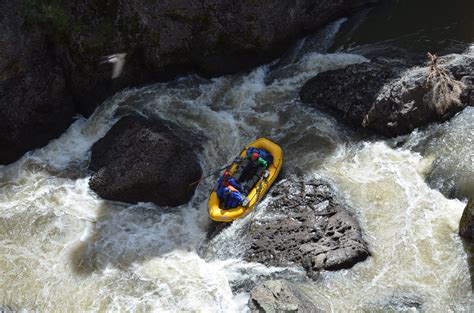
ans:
(63, 248)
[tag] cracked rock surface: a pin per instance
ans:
(311, 228)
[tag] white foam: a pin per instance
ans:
(410, 224)
(84, 253)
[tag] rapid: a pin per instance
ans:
(62, 248)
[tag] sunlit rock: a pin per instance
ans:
(314, 229)
(394, 95)
(280, 296)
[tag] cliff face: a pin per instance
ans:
(34, 103)
(50, 51)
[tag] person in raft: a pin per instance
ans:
(232, 198)
(253, 162)
(225, 181)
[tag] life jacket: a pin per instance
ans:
(233, 198)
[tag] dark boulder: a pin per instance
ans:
(311, 228)
(466, 225)
(391, 96)
(165, 38)
(35, 105)
(274, 296)
(142, 160)
(50, 51)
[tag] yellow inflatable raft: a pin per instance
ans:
(258, 191)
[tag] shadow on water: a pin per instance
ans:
(416, 25)
(123, 234)
(469, 248)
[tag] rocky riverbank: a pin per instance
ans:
(394, 94)
(50, 52)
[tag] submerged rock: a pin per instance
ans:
(142, 160)
(391, 96)
(466, 225)
(397, 303)
(280, 296)
(311, 228)
(5, 309)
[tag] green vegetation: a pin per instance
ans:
(103, 35)
(89, 30)
(50, 14)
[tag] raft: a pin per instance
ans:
(257, 192)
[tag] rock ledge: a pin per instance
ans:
(311, 228)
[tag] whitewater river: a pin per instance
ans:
(62, 248)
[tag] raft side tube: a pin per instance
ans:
(220, 215)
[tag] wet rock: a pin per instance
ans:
(466, 225)
(5, 309)
(164, 38)
(390, 95)
(250, 279)
(34, 102)
(280, 296)
(311, 228)
(51, 51)
(142, 160)
(399, 303)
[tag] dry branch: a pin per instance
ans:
(444, 92)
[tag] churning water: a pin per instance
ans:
(62, 248)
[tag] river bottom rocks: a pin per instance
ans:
(280, 296)
(311, 228)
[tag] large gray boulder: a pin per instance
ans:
(275, 296)
(142, 160)
(391, 96)
(311, 228)
(51, 51)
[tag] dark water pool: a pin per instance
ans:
(417, 25)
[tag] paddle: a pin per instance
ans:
(212, 174)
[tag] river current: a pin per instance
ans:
(62, 248)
